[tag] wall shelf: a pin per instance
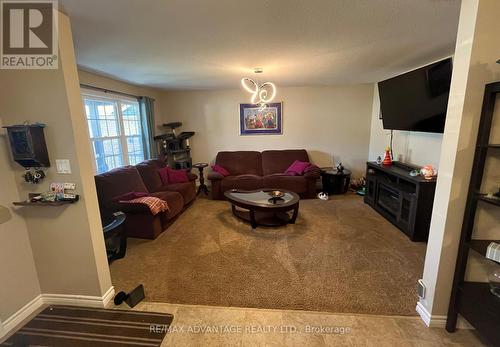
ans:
(493, 201)
(481, 246)
(30, 203)
(44, 203)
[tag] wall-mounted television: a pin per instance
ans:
(417, 100)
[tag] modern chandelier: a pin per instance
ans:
(261, 93)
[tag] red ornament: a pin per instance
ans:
(387, 159)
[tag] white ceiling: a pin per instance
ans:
(203, 44)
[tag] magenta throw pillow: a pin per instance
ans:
(221, 170)
(163, 172)
(297, 168)
(130, 196)
(177, 176)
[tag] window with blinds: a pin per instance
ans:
(115, 131)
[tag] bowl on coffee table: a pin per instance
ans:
(276, 195)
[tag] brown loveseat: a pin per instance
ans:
(143, 177)
(251, 170)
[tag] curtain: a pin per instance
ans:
(147, 106)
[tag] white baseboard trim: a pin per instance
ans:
(19, 316)
(108, 296)
(54, 299)
(435, 321)
(79, 300)
(429, 320)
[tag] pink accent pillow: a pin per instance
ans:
(163, 172)
(130, 196)
(221, 170)
(177, 176)
(297, 168)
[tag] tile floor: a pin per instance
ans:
(262, 327)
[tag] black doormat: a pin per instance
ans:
(82, 326)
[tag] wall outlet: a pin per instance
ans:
(63, 166)
(421, 289)
(69, 186)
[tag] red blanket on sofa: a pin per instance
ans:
(155, 205)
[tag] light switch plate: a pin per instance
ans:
(70, 186)
(63, 166)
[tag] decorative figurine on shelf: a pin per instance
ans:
(387, 159)
(379, 160)
(34, 175)
(428, 172)
(340, 168)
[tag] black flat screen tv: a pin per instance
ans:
(417, 100)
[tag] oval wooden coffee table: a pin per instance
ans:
(259, 208)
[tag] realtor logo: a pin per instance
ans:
(28, 34)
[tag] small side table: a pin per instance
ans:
(335, 182)
(203, 187)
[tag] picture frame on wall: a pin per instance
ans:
(255, 120)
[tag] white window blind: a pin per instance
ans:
(115, 131)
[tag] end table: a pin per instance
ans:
(113, 229)
(335, 182)
(203, 187)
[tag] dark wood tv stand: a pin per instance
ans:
(404, 200)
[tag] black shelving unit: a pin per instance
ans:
(473, 300)
(173, 148)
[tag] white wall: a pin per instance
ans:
(410, 147)
(67, 243)
(326, 121)
(476, 52)
(18, 277)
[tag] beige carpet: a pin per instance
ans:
(340, 256)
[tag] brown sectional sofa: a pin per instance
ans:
(251, 170)
(143, 177)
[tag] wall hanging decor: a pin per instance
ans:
(260, 121)
(28, 147)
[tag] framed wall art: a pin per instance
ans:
(255, 120)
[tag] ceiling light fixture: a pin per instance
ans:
(261, 93)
